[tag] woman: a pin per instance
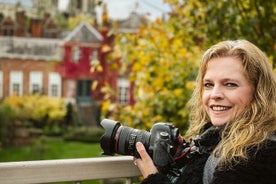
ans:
(233, 122)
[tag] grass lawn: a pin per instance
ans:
(52, 148)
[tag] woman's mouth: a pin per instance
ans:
(219, 108)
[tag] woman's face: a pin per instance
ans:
(226, 90)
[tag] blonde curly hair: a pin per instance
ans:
(258, 121)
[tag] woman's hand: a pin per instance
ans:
(145, 163)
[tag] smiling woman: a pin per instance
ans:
(227, 90)
(233, 122)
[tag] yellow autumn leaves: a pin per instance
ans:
(38, 108)
(163, 70)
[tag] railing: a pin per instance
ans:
(76, 170)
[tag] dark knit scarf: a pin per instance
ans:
(259, 169)
(189, 169)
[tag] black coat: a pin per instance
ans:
(259, 169)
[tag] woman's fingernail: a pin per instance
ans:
(139, 145)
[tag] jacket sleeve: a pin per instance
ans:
(260, 169)
(156, 179)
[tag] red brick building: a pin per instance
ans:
(27, 65)
(36, 59)
(27, 59)
(42, 63)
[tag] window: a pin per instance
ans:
(123, 91)
(54, 90)
(79, 5)
(84, 92)
(1, 84)
(8, 31)
(36, 89)
(84, 88)
(54, 84)
(76, 54)
(16, 83)
(16, 88)
(35, 83)
(94, 55)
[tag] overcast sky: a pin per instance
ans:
(119, 9)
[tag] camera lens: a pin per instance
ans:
(122, 139)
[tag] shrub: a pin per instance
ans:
(84, 134)
(7, 121)
(32, 111)
(39, 109)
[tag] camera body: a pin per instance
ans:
(161, 142)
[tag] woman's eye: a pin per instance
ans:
(208, 84)
(230, 84)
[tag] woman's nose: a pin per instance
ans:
(217, 93)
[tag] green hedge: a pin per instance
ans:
(84, 134)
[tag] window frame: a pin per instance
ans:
(16, 79)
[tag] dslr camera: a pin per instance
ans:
(160, 143)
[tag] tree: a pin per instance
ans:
(163, 68)
(254, 20)
(164, 55)
(73, 22)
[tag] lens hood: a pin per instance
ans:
(107, 140)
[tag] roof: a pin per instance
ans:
(132, 23)
(30, 48)
(84, 33)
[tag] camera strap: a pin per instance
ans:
(194, 154)
(181, 164)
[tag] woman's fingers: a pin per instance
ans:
(145, 163)
(142, 151)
